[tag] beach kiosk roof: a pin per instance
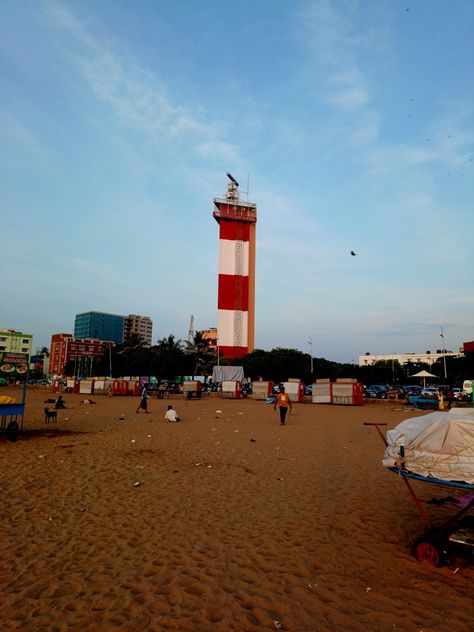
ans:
(424, 375)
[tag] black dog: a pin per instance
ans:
(50, 415)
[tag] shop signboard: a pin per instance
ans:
(13, 364)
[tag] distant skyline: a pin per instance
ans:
(352, 122)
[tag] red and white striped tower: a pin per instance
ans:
(236, 287)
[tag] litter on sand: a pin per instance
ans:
(137, 484)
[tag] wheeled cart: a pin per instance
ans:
(436, 544)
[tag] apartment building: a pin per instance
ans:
(139, 325)
(12, 341)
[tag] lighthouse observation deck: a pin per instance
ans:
(235, 210)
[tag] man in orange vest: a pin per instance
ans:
(283, 402)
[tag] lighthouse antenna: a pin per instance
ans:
(232, 179)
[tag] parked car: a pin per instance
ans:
(376, 392)
(430, 391)
(411, 389)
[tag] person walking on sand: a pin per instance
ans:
(143, 405)
(283, 402)
(171, 414)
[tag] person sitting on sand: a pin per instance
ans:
(59, 403)
(171, 414)
(143, 405)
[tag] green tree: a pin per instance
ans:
(201, 352)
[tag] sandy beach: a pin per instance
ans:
(223, 522)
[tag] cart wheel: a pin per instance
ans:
(12, 431)
(430, 553)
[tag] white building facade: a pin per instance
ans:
(404, 358)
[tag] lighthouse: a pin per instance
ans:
(236, 282)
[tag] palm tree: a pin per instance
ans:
(200, 349)
(169, 344)
(132, 342)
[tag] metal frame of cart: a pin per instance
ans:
(434, 545)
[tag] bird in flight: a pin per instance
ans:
(354, 254)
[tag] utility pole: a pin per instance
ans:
(310, 342)
(444, 353)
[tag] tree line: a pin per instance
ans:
(172, 357)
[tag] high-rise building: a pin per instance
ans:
(99, 325)
(236, 284)
(13, 341)
(139, 325)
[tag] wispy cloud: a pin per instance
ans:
(333, 45)
(349, 98)
(24, 141)
(135, 96)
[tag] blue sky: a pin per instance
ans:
(352, 120)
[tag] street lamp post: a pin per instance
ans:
(310, 342)
(444, 354)
(110, 360)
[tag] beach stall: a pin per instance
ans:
(322, 392)
(13, 365)
(192, 388)
(231, 389)
(72, 385)
(102, 386)
(136, 386)
(295, 389)
(116, 387)
(347, 391)
(124, 387)
(262, 390)
(86, 387)
(99, 386)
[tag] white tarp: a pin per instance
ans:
(227, 374)
(438, 445)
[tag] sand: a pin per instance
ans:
(222, 522)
